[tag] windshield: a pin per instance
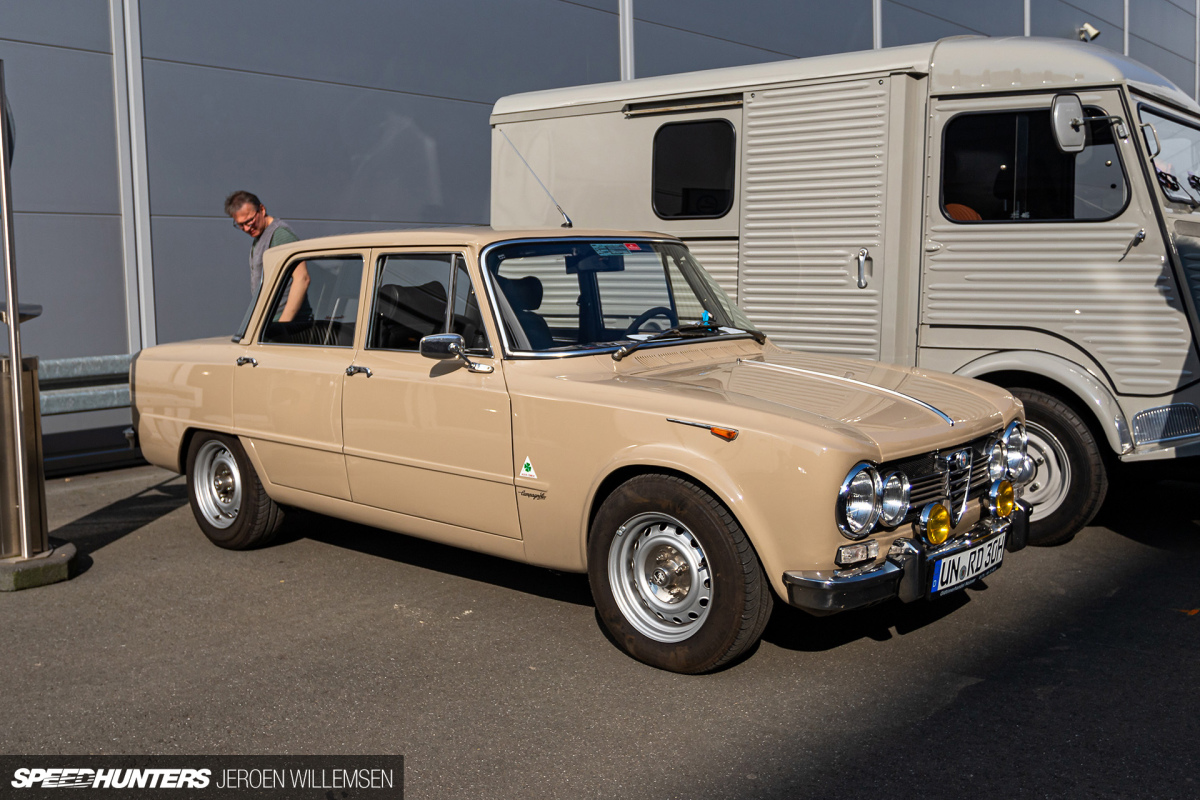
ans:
(568, 295)
(1178, 161)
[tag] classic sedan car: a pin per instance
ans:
(587, 401)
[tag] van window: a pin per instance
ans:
(1177, 163)
(693, 169)
(1005, 166)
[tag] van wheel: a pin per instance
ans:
(674, 577)
(1070, 479)
(226, 495)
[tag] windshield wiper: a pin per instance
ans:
(695, 331)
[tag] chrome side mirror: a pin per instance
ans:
(442, 346)
(1067, 120)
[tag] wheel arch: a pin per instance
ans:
(625, 472)
(1064, 379)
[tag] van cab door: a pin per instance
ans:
(1030, 248)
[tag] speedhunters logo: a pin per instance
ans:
(151, 777)
(75, 778)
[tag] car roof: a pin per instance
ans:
(473, 236)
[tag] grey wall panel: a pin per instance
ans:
(64, 23)
(663, 51)
(1179, 69)
(65, 159)
(785, 29)
(461, 49)
(312, 150)
(1062, 19)
(71, 266)
(904, 25)
(201, 277)
(927, 20)
(1165, 25)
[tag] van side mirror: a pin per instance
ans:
(1067, 120)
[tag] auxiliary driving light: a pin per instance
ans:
(1000, 499)
(935, 523)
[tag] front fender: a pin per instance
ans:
(1095, 395)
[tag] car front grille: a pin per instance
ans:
(934, 476)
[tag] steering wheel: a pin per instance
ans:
(645, 316)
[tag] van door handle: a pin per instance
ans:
(243, 360)
(863, 255)
(354, 370)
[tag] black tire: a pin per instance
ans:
(226, 496)
(1071, 480)
(687, 620)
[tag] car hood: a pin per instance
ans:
(903, 410)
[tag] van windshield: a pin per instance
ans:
(564, 295)
(1177, 163)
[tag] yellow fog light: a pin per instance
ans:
(935, 523)
(1000, 499)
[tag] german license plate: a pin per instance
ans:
(956, 571)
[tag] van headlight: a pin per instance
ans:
(860, 501)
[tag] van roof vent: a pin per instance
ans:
(681, 105)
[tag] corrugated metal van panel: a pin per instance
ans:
(720, 258)
(812, 189)
(1070, 280)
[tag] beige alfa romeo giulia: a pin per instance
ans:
(590, 402)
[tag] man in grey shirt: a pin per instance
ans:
(250, 215)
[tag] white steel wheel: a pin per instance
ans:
(217, 483)
(676, 581)
(226, 496)
(660, 577)
(1052, 472)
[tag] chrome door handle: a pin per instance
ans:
(244, 360)
(863, 255)
(354, 370)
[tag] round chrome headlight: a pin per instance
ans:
(1017, 442)
(997, 460)
(896, 492)
(859, 501)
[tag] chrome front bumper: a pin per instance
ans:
(906, 573)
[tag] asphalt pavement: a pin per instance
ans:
(1071, 672)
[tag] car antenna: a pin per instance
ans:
(568, 223)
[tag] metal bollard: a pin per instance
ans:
(10, 501)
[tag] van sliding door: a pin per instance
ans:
(814, 164)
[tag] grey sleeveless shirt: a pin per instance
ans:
(258, 247)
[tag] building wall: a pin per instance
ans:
(358, 115)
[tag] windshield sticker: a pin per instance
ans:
(527, 469)
(631, 246)
(606, 249)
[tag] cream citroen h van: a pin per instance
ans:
(1023, 211)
